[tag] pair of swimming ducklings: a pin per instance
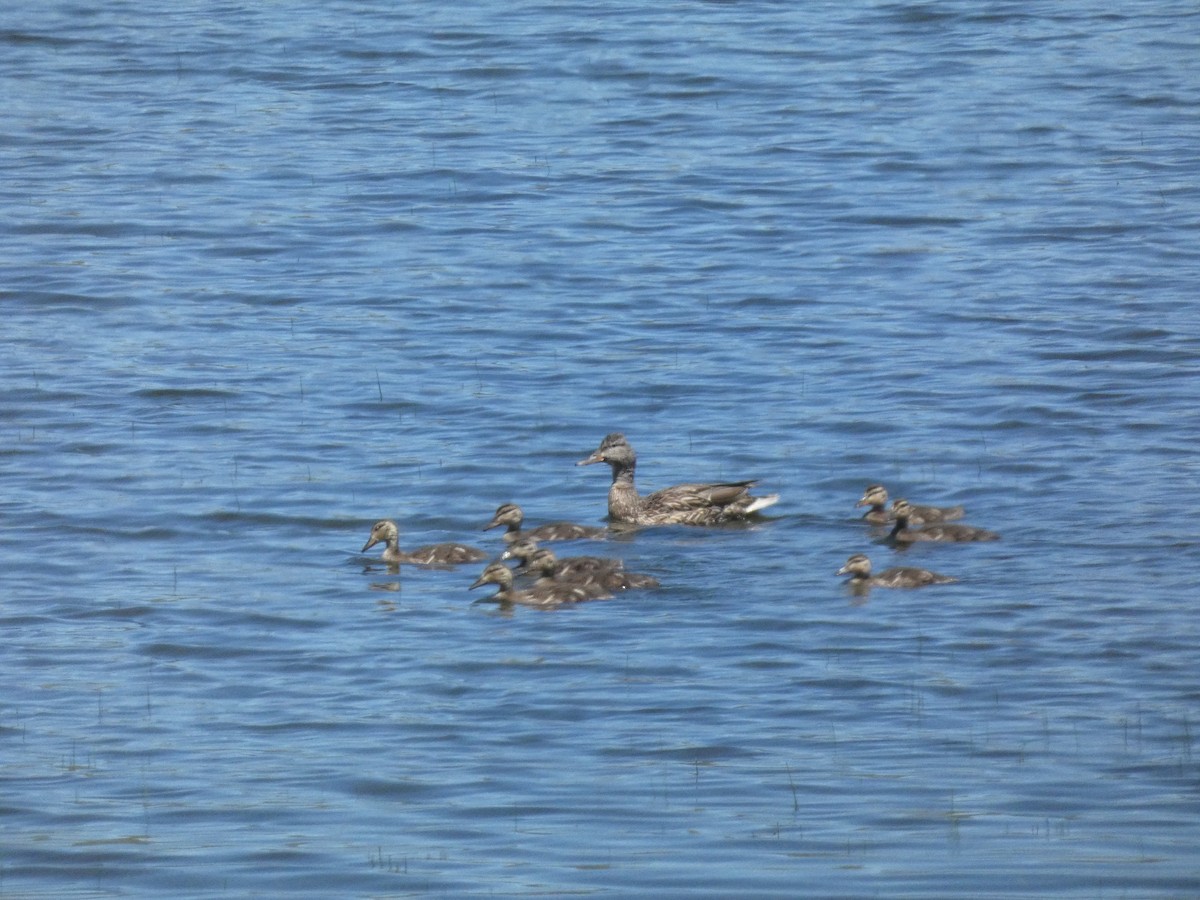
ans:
(911, 523)
(708, 503)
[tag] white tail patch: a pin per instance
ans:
(762, 503)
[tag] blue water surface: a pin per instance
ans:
(271, 272)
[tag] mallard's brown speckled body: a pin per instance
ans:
(511, 515)
(858, 567)
(682, 504)
(449, 554)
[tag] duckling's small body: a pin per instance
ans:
(858, 567)
(524, 550)
(682, 504)
(511, 515)
(901, 533)
(550, 568)
(876, 497)
(546, 595)
(449, 554)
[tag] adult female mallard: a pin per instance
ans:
(902, 534)
(510, 514)
(448, 554)
(550, 568)
(858, 567)
(683, 504)
(547, 595)
(876, 497)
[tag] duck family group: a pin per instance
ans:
(553, 582)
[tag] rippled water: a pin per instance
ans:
(271, 273)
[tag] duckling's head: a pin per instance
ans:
(521, 548)
(614, 450)
(901, 511)
(383, 531)
(495, 572)
(874, 495)
(541, 560)
(506, 514)
(857, 565)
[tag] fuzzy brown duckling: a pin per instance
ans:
(512, 516)
(448, 554)
(544, 596)
(858, 567)
(524, 549)
(544, 564)
(876, 497)
(953, 532)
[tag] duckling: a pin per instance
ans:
(524, 549)
(901, 534)
(511, 515)
(448, 554)
(682, 504)
(545, 595)
(876, 497)
(549, 568)
(858, 567)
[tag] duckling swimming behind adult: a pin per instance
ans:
(547, 595)
(682, 504)
(448, 554)
(876, 497)
(511, 515)
(902, 534)
(525, 549)
(858, 567)
(550, 568)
